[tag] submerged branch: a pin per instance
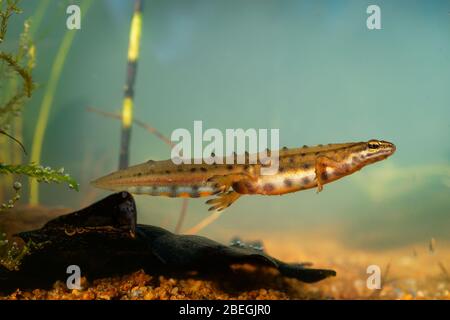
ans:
(139, 123)
(204, 223)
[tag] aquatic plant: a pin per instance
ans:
(40, 173)
(17, 124)
(37, 172)
(3, 244)
(127, 106)
(6, 11)
(47, 101)
(11, 254)
(38, 16)
(22, 64)
(17, 65)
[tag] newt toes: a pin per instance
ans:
(299, 169)
(223, 200)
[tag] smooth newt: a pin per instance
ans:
(299, 169)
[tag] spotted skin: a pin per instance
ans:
(299, 169)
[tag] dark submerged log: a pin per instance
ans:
(104, 240)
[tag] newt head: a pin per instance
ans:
(375, 150)
(335, 164)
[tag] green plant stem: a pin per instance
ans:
(36, 19)
(47, 102)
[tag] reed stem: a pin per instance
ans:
(47, 102)
(127, 106)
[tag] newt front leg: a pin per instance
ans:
(224, 183)
(321, 164)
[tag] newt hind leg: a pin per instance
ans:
(223, 200)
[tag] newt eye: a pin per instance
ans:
(373, 144)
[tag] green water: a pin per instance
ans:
(310, 68)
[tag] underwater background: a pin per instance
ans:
(310, 68)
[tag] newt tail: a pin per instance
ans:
(299, 169)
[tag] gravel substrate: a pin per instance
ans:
(141, 286)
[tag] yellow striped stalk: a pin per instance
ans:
(127, 105)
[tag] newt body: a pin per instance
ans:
(299, 169)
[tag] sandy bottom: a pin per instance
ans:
(411, 272)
